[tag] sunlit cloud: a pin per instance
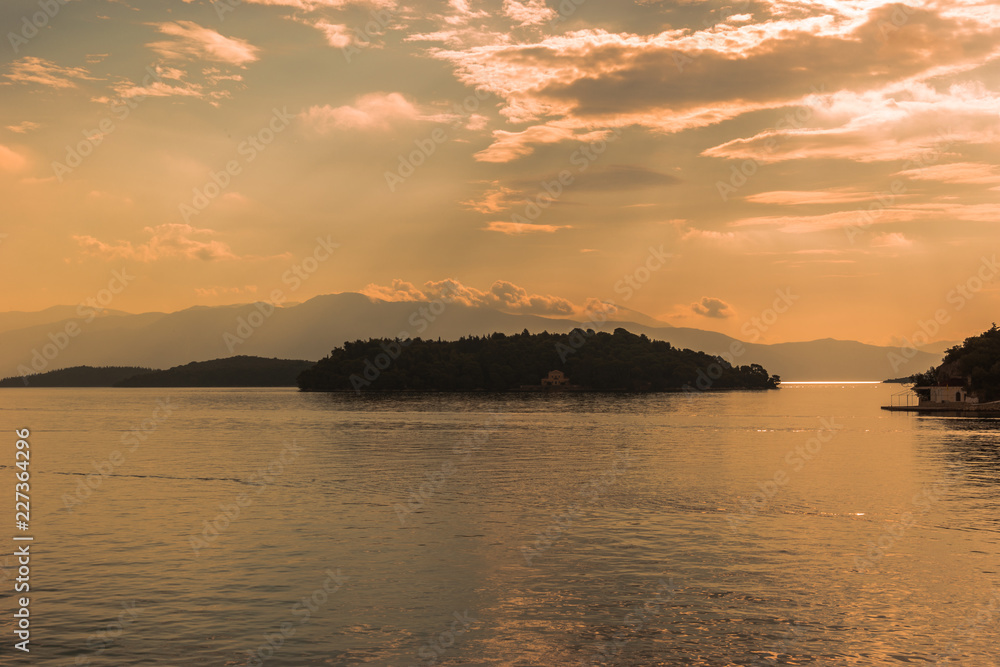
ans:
(314, 5)
(509, 146)
(518, 228)
(46, 73)
(502, 295)
(894, 240)
(800, 197)
(11, 160)
(529, 12)
(957, 172)
(169, 241)
(24, 127)
(713, 307)
(496, 199)
(375, 111)
(194, 42)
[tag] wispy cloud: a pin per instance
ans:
(24, 127)
(375, 111)
(169, 241)
(194, 42)
(518, 228)
(46, 73)
(974, 173)
(509, 146)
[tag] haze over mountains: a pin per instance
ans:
(311, 329)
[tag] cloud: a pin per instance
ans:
(957, 172)
(168, 241)
(338, 35)
(508, 146)
(193, 42)
(518, 228)
(502, 295)
(862, 219)
(46, 73)
(24, 127)
(375, 111)
(314, 5)
(530, 12)
(173, 82)
(224, 291)
(681, 78)
(897, 123)
(799, 197)
(712, 307)
(11, 160)
(496, 199)
(894, 240)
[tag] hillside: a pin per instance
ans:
(240, 371)
(976, 362)
(621, 361)
(77, 376)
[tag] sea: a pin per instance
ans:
(803, 526)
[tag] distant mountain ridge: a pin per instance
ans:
(310, 330)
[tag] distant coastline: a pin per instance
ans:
(238, 371)
(578, 362)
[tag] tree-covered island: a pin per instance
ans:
(582, 361)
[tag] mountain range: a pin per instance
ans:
(65, 336)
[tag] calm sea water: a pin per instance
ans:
(233, 527)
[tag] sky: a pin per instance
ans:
(798, 169)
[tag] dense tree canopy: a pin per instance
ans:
(620, 361)
(976, 362)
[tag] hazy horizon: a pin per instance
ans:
(692, 161)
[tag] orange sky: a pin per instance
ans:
(693, 161)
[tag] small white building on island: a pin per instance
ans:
(555, 379)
